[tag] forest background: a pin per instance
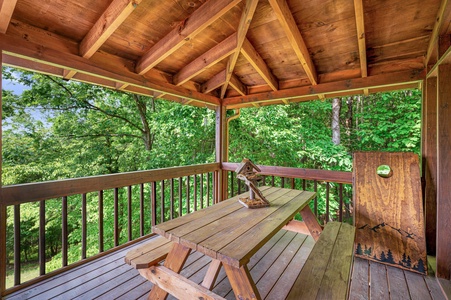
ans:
(57, 129)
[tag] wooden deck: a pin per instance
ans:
(274, 268)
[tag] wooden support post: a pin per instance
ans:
(429, 141)
(3, 214)
(221, 182)
(443, 172)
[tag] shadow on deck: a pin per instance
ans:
(274, 269)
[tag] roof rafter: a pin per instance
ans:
(259, 64)
(243, 27)
(442, 23)
(109, 21)
(209, 58)
(214, 82)
(33, 52)
(6, 12)
(203, 17)
(360, 25)
(294, 36)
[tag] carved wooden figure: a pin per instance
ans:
(247, 171)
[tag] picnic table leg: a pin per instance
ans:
(212, 274)
(242, 283)
(175, 260)
(310, 220)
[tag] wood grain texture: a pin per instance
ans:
(360, 287)
(326, 273)
(6, 12)
(389, 211)
(149, 254)
(242, 284)
(212, 274)
(311, 222)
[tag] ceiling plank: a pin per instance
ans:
(360, 25)
(243, 27)
(108, 22)
(236, 83)
(201, 18)
(20, 48)
(294, 36)
(257, 62)
(389, 79)
(209, 58)
(214, 82)
(442, 22)
(6, 12)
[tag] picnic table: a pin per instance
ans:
(230, 234)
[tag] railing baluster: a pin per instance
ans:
(282, 182)
(141, 209)
(180, 196)
(340, 209)
(153, 203)
(238, 183)
(195, 193)
(17, 244)
(171, 216)
(292, 183)
(272, 180)
(42, 237)
(84, 228)
(327, 202)
(303, 184)
(116, 216)
(129, 211)
(202, 191)
(100, 221)
(264, 180)
(315, 188)
(187, 194)
(162, 210)
(208, 189)
(64, 232)
(232, 192)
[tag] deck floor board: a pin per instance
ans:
(274, 269)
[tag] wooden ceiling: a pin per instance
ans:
(230, 52)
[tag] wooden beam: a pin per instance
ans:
(429, 135)
(214, 82)
(390, 79)
(20, 48)
(443, 172)
(257, 62)
(108, 22)
(6, 12)
(221, 152)
(360, 25)
(209, 58)
(69, 74)
(442, 22)
(3, 211)
(243, 27)
(238, 85)
(200, 19)
(294, 36)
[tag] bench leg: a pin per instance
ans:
(175, 260)
(212, 274)
(242, 283)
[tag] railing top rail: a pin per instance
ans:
(32, 192)
(310, 174)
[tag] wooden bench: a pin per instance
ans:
(149, 254)
(327, 271)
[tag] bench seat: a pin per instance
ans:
(327, 271)
(149, 254)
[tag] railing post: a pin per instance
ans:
(221, 187)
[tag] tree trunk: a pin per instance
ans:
(147, 135)
(336, 107)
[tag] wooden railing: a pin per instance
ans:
(127, 205)
(334, 188)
